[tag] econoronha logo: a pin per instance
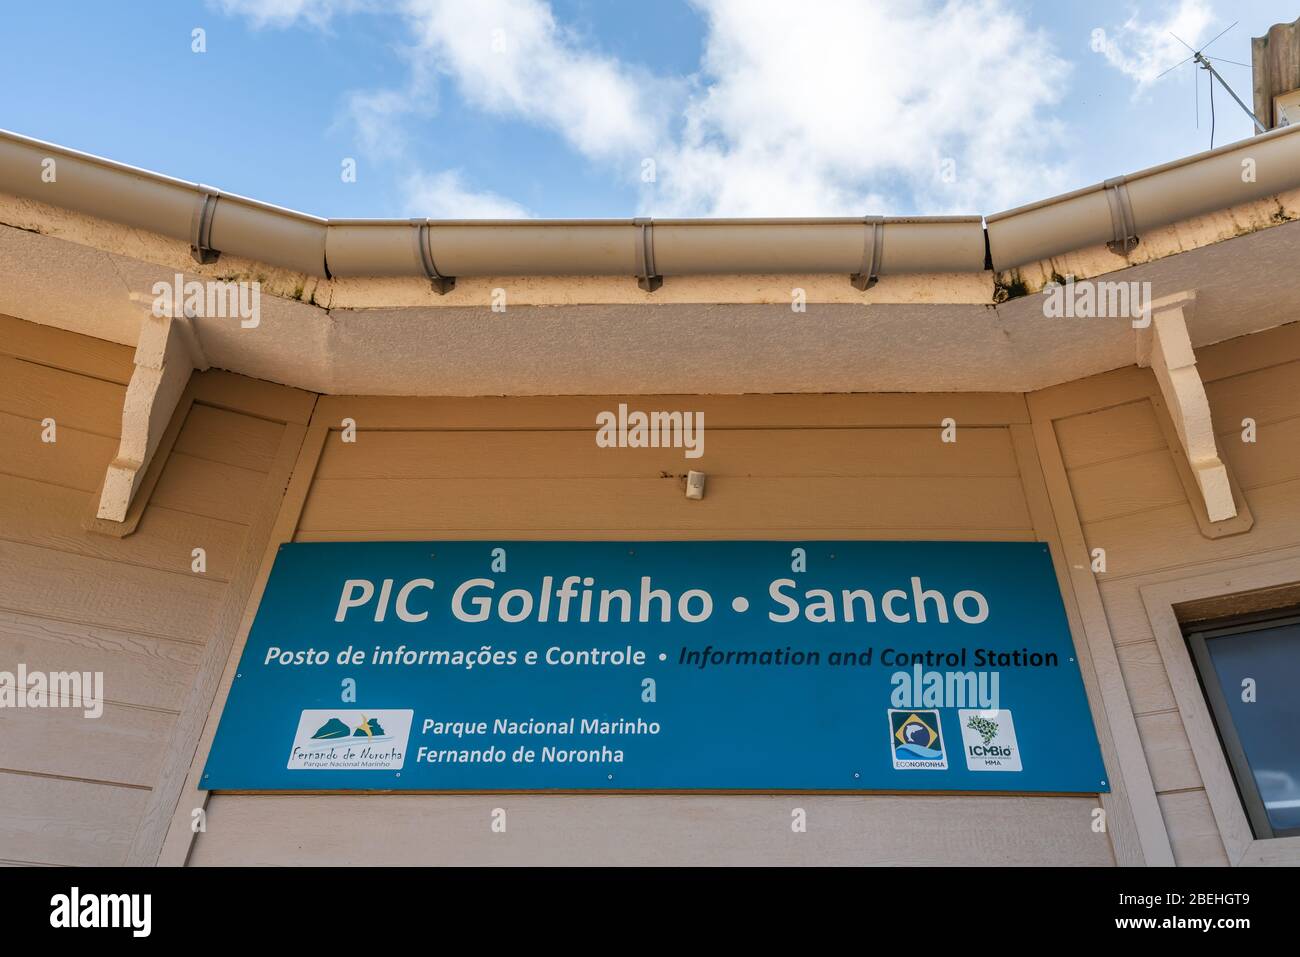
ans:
(916, 740)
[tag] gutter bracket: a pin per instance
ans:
(647, 278)
(201, 250)
(441, 284)
(1121, 217)
(873, 248)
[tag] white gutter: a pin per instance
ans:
(134, 197)
(650, 248)
(864, 248)
(214, 222)
(1120, 210)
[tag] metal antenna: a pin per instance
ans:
(1198, 56)
(1205, 64)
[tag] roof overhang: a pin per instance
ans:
(351, 307)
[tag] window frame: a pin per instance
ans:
(1235, 585)
(1198, 634)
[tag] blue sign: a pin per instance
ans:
(756, 666)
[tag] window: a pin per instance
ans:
(1249, 669)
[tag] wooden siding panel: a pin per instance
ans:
(1150, 536)
(138, 669)
(74, 789)
(1265, 395)
(77, 460)
(54, 821)
(1113, 433)
(52, 584)
(1273, 457)
(748, 533)
(1145, 677)
(235, 439)
(652, 830)
(36, 392)
(1192, 829)
(1121, 487)
(1168, 537)
(53, 517)
(204, 487)
(750, 452)
(124, 745)
(1169, 753)
(789, 411)
(66, 350)
(731, 502)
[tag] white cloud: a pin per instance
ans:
(381, 118)
(511, 58)
(827, 107)
(283, 13)
(445, 196)
(1145, 49)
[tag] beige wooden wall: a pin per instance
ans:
(1111, 438)
(780, 467)
(1083, 465)
(75, 790)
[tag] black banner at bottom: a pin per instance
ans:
(368, 906)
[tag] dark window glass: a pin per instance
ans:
(1261, 737)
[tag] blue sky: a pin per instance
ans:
(577, 108)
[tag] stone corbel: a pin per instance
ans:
(167, 353)
(1166, 348)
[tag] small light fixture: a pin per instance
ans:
(695, 485)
